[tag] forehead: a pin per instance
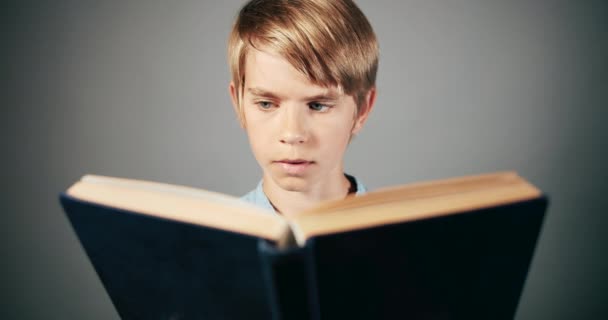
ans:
(270, 72)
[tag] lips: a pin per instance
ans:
(294, 167)
(294, 161)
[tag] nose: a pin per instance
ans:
(294, 129)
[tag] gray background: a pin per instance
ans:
(139, 89)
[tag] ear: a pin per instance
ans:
(364, 111)
(235, 104)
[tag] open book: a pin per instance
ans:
(456, 248)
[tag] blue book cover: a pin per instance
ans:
(450, 249)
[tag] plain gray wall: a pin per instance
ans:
(139, 89)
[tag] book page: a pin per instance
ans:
(413, 202)
(182, 204)
(166, 188)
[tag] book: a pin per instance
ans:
(456, 248)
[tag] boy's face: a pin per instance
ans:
(298, 131)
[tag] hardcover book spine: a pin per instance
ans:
(289, 283)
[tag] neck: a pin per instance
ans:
(290, 203)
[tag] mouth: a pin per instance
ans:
(294, 167)
(294, 161)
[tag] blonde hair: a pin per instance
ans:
(329, 41)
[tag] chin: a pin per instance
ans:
(294, 184)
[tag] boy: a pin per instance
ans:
(303, 83)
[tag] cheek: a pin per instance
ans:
(257, 138)
(254, 134)
(254, 125)
(335, 136)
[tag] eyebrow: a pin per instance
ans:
(326, 96)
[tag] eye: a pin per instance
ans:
(318, 106)
(265, 105)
